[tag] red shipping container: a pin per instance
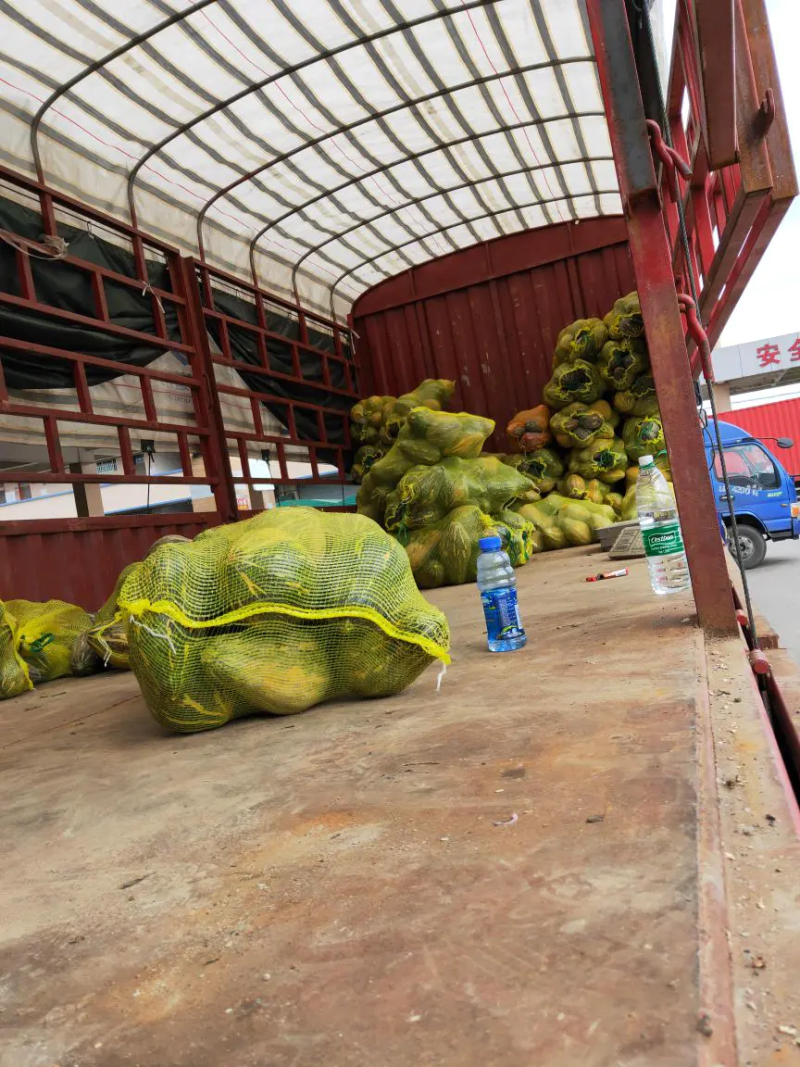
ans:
(765, 421)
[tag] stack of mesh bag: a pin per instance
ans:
(276, 614)
(437, 493)
(635, 397)
(603, 415)
(446, 552)
(441, 512)
(427, 494)
(376, 422)
(426, 438)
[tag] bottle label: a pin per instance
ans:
(664, 540)
(502, 614)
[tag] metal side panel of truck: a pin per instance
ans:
(764, 493)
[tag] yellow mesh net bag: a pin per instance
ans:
(426, 437)
(433, 393)
(425, 495)
(625, 318)
(45, 641)
(108, 635)
(446, 552)
(14, 678)
(288, 609)
(367, 417)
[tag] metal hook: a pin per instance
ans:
(698, 335)
(671, 159)
(767, 111)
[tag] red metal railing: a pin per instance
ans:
(731, 212)
(166, 301)
(290, 403)
(305, 388)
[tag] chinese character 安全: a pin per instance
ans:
(768, 355)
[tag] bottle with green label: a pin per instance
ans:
(661, 530)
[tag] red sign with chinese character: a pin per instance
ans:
(769, 355)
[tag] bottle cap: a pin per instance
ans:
(645, 461)
(490, 544)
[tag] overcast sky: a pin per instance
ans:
(770, 305)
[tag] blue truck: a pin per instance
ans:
(764, 493)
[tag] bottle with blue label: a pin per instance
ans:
(498, 587)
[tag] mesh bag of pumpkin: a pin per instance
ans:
(274, 615)
(565, 521)
(446, 552)
(377, 420)
(40, 642)
(425, 438)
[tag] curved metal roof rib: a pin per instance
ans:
(317, 145)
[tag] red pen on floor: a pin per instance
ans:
(609, 574)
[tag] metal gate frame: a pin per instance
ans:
(204, 310)
(731, 212)
(78, 559)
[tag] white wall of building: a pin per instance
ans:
(769, 356)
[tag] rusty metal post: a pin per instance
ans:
(215, 452)
(715, 23)
(652, 265)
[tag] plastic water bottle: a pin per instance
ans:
(661, 530)
(498, 587)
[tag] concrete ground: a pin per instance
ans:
(521, 868)
(775, 589)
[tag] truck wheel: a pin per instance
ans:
(752, 545)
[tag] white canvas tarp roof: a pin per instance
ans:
(343, 140)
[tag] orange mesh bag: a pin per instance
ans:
(446, 552)
(530, 430)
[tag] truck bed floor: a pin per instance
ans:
(507, 871)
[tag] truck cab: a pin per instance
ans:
(764, 493)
